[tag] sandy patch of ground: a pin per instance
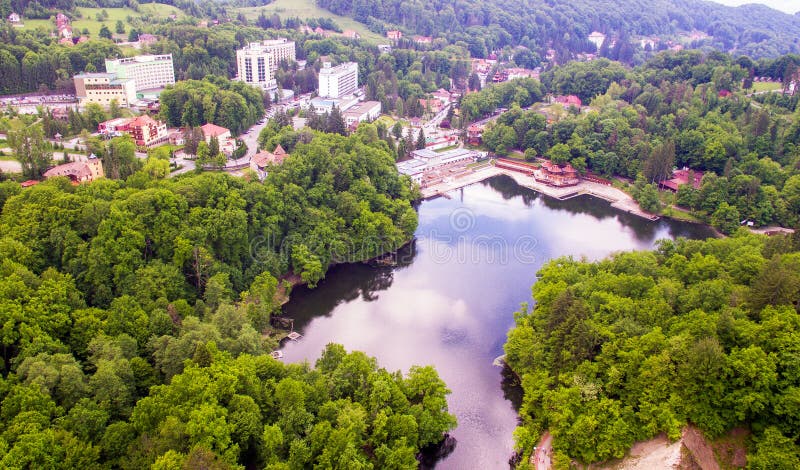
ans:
(656, 454)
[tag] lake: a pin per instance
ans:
(450, 300)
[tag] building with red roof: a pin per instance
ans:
(78, 172)
(147, 132)
(474, 134)
(212, 130)
(681, 177)
(556, 175)
(568, 100)
(227, 144)
(261, 161)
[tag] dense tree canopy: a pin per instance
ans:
(487, 25)
(642, 343)
(134, 316)
(231, 104)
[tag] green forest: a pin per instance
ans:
(133, 316)
(642, 343)
(689, 110)
(487, 25)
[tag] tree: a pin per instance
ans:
(646, 194)
(105, 32)
(30, 149)
(192, 137)
(421, 142)
(334, 123)
(120, 159)
(474, 82)
(658, 165)
(213, 147)
(114, 111)
(120, 27)
(559, 154)
(726, 218)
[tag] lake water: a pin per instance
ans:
(450, 300)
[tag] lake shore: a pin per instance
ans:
(618, 198)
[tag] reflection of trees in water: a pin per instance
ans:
(509, 189)
(512, 388)
(345, 283)
(599, 209)
(433, 454)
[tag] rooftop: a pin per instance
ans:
(328, 70)
(213, 130)
(363, 107)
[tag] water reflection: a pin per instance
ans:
(451, 299)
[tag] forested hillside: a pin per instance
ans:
(561, 24)
(133, 319)
(642, 343)
(677, 110)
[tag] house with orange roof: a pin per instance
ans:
(261, 161)
(212, 130)
(227, 144)
(78, 172)
(147, 132)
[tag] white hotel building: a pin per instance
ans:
(339, 81)
(150, 72)
(257, 62)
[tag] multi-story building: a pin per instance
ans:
(151, 72)
(362, 112)
(339, 81)
(257, 62)
(102, 88)
(78, 172)
(147, 132)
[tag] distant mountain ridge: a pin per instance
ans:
(754, 30)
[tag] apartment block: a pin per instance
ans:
(257, 62)
(339, 81)
(102, 88)
(151, 72)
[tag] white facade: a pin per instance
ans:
(257, 62)
(103, 88)
(151, 72)
(425, 161)
(597, 38)
(339, 81)
(326, 105)
(362, 112)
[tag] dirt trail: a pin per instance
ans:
(541, 455)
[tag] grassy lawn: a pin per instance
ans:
(446, 149)
(89, 21)
(386, 120)
(304, 9)
(765, 86)
(679, 214)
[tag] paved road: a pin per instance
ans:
(10, 166)
(250, 139)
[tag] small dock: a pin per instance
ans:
(294, 336)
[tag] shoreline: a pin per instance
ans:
(618, 198)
